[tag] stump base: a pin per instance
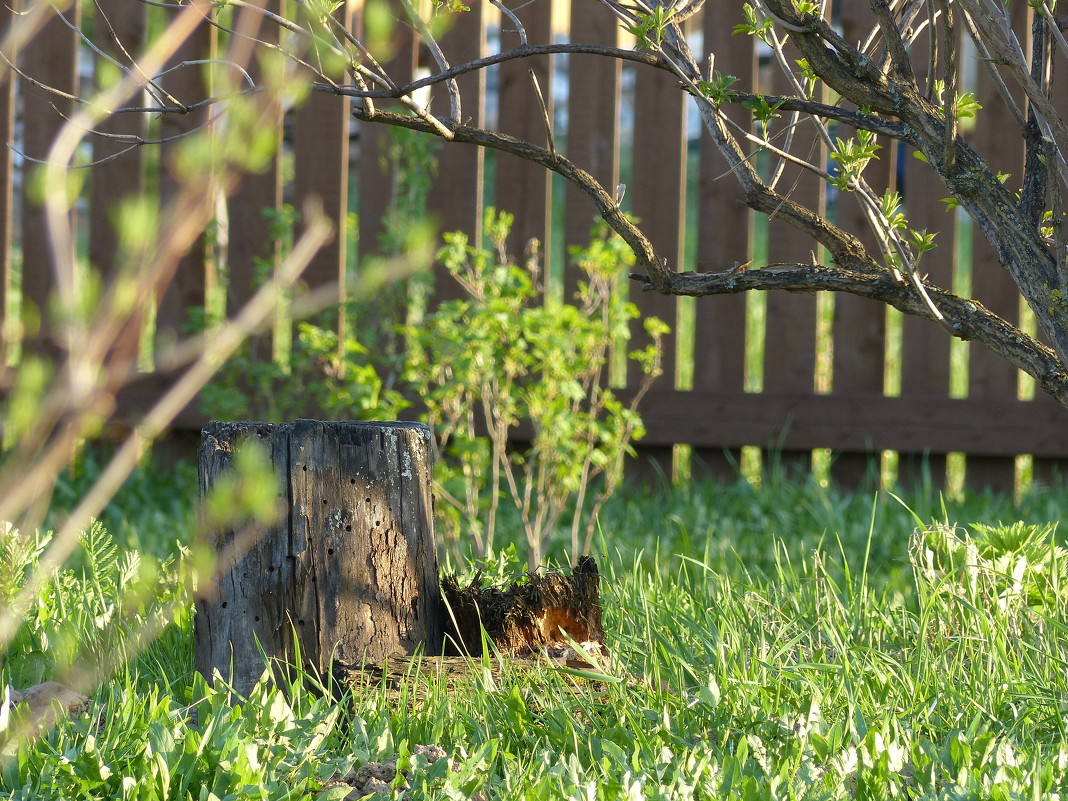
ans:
(545, 610)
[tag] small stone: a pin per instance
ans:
(382, 772)
(431, 753)
(375, 786)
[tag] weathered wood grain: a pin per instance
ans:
(349, 572)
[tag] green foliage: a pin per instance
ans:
(651, 26)
(248, 492)
(89, 614)
(337, 381)
(718, 89)
(501, 357)
(153, 745)
(1005, 570)
(763, 112)
(450, 6)
(852, 156)
(152, 512)
(921, 241)
(965, 106)
(755, 24)
(24, 402)
(785, 642)
(411, 159)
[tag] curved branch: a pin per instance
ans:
(966, 318)
(855, 119)
(523, 51)
(605, 203)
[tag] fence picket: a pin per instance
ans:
(321, 175)
(925, 346)
(790, 328)
(252, 237)
(594, 86)
(717, 416)
(374, 185)
(7, 186)
(188, 288)
(989, 375)
(859, 332)
(522, 188)
(724, 239)
(457, 195)
(42, 117)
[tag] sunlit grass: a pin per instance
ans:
(788, 641)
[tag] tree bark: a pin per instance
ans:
(348, 573)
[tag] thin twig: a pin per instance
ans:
(991, 66)
(544, 113)
(949, 88)
(899, 55)
(515, 21)
(528, 51)
(932, 52)
(439, 57)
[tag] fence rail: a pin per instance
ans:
(799, 372)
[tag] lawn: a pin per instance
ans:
(787, 641)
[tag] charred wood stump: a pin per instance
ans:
(543, 611)
(533, 621)
(349, 571)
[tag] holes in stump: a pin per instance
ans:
(300, 622)
(366, 500)
(352, 481)
(330, 551)
(324, 501)
(348, 528)
(224, 604)
(304, 468)
(258, 617)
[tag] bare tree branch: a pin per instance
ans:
(969, 318)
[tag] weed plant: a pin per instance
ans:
(784, 642)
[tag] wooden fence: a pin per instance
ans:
(837, 373)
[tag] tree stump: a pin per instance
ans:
(350, 568)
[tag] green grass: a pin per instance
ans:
(787, 641)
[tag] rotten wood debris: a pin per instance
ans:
(541, 611)
(537, 615)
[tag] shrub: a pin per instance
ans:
(517, 388)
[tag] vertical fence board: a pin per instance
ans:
(658, 200)
(924, 344)
(321, 156)
(54, 65)
(186, 84)
(120, 176)
(457, 194)
(859, 324)
(251, 236)
(790, 334)
(374, 183)
(1051, 470)
(658, 193)
(523, 188)
(990, 375)
(592, 122)
(7, 181)
(724, 237)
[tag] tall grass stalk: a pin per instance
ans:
(787, 643)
